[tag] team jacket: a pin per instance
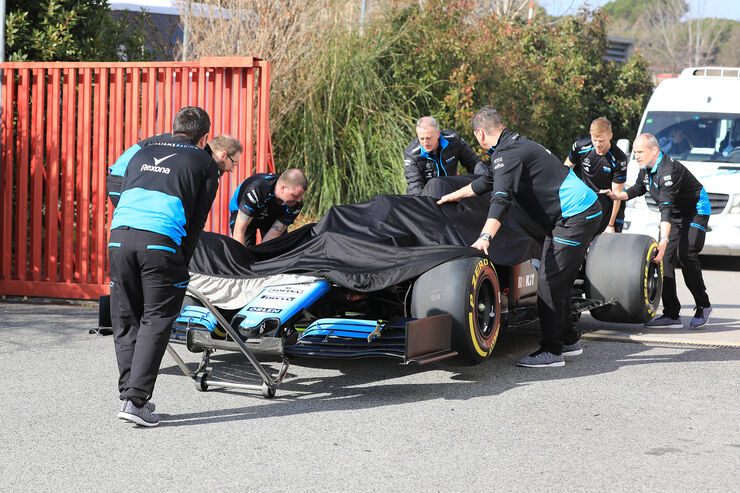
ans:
(676, 191)
(116, 172)
(525, 170)
(255, 197)
(420, 166)
(598, 172)
(168, 188)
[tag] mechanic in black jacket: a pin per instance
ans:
(552, 195)
(268, 203)
(166, 194)
(435, 153)
(684, 215)
(224, 149)
(601, 165)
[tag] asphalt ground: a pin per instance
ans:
(638, 411)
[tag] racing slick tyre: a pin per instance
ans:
(468, 289)
(620, 266)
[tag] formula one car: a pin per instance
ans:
(395, 277)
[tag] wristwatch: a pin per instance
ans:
(485, 236)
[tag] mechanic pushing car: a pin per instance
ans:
(434, 153)
(224, 149)
(553, 196)
(166, 194)
(684, 215)
(266, 202)
(601, 165)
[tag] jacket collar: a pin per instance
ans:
(442, 144)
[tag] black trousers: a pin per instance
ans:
(148, 281)
(685, 241)
(562, 255)
(606, 207)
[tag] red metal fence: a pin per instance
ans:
(64, 124)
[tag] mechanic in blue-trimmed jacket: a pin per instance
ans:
(435, 153)
(552, 195)
(268, 203)
(684, 215)
(166, 194)
(601, 165)
(224, 149)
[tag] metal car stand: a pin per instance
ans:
(203, 381)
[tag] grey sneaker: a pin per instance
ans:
(664, 322)
(541, 359)
(701, 317)
(572, 349)
(138, 415)
(149, 405)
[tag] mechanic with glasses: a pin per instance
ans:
(268, 203)
(553, 196)
(601, 165)
(684, 216)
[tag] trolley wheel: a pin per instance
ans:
(267, 391)
(201, 382)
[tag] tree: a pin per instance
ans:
(68, 30)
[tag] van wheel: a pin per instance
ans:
(468, 289)
(620, 266)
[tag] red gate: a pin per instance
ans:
(64, 124)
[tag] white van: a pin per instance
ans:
(696, 119)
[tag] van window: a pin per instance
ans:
(696, 136)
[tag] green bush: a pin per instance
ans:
(547, 80)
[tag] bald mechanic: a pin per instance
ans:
(224, 149)
(435, 153)
(166, 194)
(552, 195)
(684, 215)
(268, 203)
(601, 165)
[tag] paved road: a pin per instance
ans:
(622, 417)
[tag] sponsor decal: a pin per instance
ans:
(498, 160)
(450, 160)
(286, 290)
(157, 161)
(155, 169)
(525, 281)
(667, 178)
(277, 298)
(499, 165)
(668, 183)
(263, 309)
(407, 162)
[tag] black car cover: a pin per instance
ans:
(376, 244)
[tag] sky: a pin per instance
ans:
(729, 9)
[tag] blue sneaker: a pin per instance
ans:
(701, 317)
(572, 349)
(138, 415)
(664, 322)
(149, 405)
(541, 359)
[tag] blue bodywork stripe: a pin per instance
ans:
(703, 206)
(151, 211)
(565, 242)
(119, 167)
(575, 196)
(594, 215)
(114, 244)
(161, 247)
(698, 226)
